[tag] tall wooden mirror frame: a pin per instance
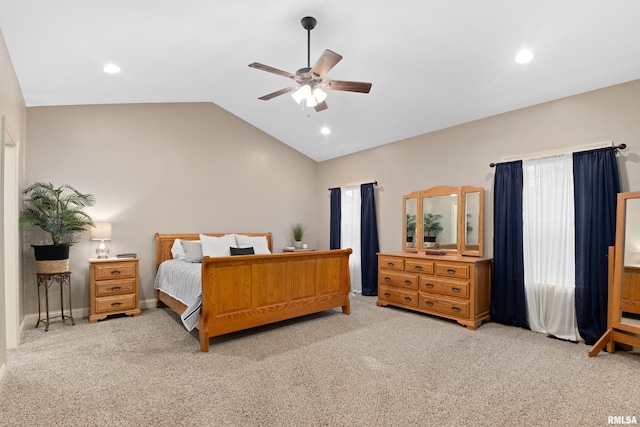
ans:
(618, 331)
(412, 205)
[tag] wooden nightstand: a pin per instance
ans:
(114, 284)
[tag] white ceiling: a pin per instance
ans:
(433, 64)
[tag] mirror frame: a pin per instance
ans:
(617, 331)
(615, 305)
(445, 190)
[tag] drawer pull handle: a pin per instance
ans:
(387, 279)
(429, 303)
(116, 288)
(116, 304)
(418, 267)
(407, 282)
(429, 285)
(391, 264)
(407, 299)
(454, 308)
(451, 270)
(114, 272)
(387, 294)
(456, 289)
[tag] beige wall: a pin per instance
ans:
(168, 168)
(13, 109)
(196, 167)
(461, 155)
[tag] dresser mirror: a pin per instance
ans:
(444, 218)
(624, 281)
(409, 215)
(630, 270)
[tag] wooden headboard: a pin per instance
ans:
(164, 242)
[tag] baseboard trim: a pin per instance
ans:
(3, 374)
(78, 313)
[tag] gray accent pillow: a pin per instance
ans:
(192, 250)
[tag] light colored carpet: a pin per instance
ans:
(376, 367)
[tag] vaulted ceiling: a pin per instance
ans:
(433, 64)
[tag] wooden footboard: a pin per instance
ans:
(242, 292)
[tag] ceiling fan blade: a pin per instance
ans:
(361, 87)
(321, 106)
(269, 69)
(278, 93)
(326, 62)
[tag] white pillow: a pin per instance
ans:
(259, 243)
(218, 246)
(177, 251)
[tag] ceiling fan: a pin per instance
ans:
(309, 80)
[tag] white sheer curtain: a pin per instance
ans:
(350, 233)
(549, 245)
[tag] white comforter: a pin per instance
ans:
(182, 280)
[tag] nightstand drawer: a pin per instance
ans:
(115, 287)
(115, 270)
(115, 303)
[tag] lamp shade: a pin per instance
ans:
(101, 231)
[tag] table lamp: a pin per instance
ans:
(101, 231)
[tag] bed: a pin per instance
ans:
(242, 292)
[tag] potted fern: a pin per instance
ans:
(297, 230)
(59, 212)
(431, 226)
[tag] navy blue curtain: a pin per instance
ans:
(596, 185)
(508, 304)
(369, 246)
(334, 219)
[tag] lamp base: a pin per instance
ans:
(102, 251)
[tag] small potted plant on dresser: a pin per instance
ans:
(59, 212)
(297, 230)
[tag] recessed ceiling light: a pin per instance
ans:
(524, 56)
(325, 130)
(111, 69)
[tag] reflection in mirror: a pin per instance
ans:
(472, 217)
(440, 221)
(631, 272)
(411, 215)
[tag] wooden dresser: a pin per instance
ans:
(455, 287)
(114, 284)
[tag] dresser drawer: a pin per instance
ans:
(452, 270)
(115, 303)
(447, 287)
(391, 263)
(398, 279)
(397, 296)
(425, 267)
(459, 309)
(114, 270)
(115, 287)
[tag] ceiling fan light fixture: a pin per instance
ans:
(311, 101)
(303, 93)
(319, 95)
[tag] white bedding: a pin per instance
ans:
(181, 280)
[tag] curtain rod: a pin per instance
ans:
(353, 184)
(617, 147)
